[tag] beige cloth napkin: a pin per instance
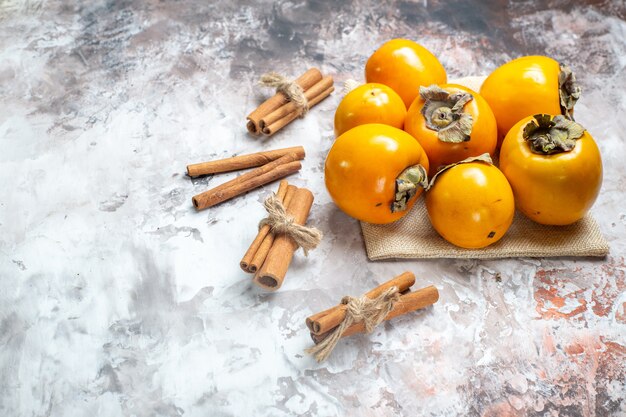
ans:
(414, 237)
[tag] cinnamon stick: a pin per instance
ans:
(263, 231)
(261, 254)
(284, 121)
(241, 162)
(318, 89)
(329, 319)
(305, 81)
(271, 275)
(408, 302)
(279, 168)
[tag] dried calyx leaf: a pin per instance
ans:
(547, 136)
(485, 157)
(444, 113)
(407, 184)
(569, 91)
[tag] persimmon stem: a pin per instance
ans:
(407, 184)
(546, 135)
(443, 113)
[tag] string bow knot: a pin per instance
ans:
(371, 311)
(289, 88)
(280, 222)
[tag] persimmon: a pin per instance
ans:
(554, 167)
(452, 123)
(369, 103)
(375, 172)
(404, 66)
(527, 86)
(471, 204)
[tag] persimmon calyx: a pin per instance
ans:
(546, 135)
(444, 114)
(485, 157)
(569, 91)
(407, 184)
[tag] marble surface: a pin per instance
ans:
(118, 299)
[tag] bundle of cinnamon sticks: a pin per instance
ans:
(323, 323)
(270, 255)
(272, 165)
(278, 111)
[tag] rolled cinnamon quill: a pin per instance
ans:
(285, 114)
(260, 246)
(408, 302)
(263, 231)
(280, 168)
(242, 161)
(329, 319)
(305, 81)
(261, 254)
(271, 275)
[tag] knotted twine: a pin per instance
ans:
(371, 311)
(279, 222)
(349, 85)
(289, 88)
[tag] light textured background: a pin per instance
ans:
(117, 298)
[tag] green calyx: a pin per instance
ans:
(407, 184)
(444, 114)
(546, 135)
(569, 91)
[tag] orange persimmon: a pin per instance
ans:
(369, 103)
(554, 167)
(375, 172)
(527, 86)
(452, 123)
(404, 66)
(471, 204)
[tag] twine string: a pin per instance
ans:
(289, 88)
(370, 311)
(349, 85)
(280, 222)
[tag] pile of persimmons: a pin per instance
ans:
(406, 132)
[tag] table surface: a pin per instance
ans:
(118, 298)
